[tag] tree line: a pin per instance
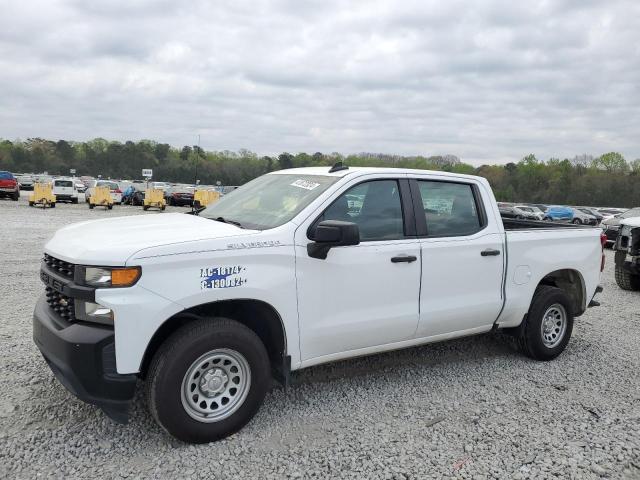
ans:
(606, 180)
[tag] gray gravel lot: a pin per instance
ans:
(470, 408)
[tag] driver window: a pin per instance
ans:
(374, 206)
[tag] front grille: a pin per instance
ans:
(61, 304)
(63, 268)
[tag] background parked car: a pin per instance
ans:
(569, 214)
(559, 214)
(593, 212)
(608, 213)
(116, 193)
(521, 212)
(529, 213)
(25, 181)
(65, 190)
(80, 187)
(611, 226)
(9, 186)
(180, 195)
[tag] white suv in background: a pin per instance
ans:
(65, 190)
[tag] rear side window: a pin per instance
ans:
(6, 176)
(374, 206)
(450, 208)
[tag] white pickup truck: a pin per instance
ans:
(297, 268)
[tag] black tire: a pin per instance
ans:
(52, 205)
(163, 207)
(627, 280)
(173, 360)
(91, 205)
(145, 207)
(74, 200)
(31, 204)
(15, 197)
(576, 221)
(530, 339)
(110, 207)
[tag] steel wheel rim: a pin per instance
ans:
(554, 325)
(215, 385)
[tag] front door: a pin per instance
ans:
(363, 295)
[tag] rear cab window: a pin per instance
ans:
(63, 183)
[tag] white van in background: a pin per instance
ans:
(65, 190)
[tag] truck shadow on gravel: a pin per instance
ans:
(467, 350)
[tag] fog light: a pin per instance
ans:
(94, 312)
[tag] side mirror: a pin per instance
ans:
(332, 233)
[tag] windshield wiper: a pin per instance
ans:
(226, 220)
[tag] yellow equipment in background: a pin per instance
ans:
(154, 197)
(101, 197)
(42, 195)
(202, 198)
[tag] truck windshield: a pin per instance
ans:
(268, 201)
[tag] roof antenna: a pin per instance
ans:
(338, 166)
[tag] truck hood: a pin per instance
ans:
(112, 241)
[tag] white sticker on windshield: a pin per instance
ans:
(306, 184)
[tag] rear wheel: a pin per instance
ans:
(548, 326)
(208, 380)
(74, 200)
(626, 280)
(91, 205)
(16, 196)
(31, 204)
(576, 221)
(110, 207)
(145, 207)
(52, 205)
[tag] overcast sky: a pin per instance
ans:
(488, 81)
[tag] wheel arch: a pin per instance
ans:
(572, 283)
(259, 316)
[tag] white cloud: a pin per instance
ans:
(489, 81)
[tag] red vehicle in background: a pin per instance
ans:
(9, 186)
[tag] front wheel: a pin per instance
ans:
(548, 326)
(208, 380)
(576, 221)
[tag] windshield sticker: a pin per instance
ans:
(222, 277)
(306, 184)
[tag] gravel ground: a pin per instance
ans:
(470, 408)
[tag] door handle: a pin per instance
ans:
(404, 258)
(490, 252)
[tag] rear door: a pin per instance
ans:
(462, 256)
(364, 295)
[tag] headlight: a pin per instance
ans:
(104, 277)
